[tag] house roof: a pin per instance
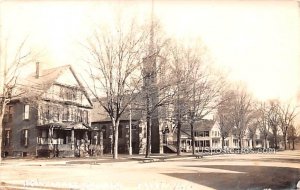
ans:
(35, 86)
(202, 125)
(38, 85)
(100, 115)
(67, 126)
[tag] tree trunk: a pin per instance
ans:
(223, 142)
(112, 140)
(148, 140)
(1, 129)
(293, 144)
(193, 138)
(116, 138)
(265, 142)
(252, 143)
(179, 138)
(284, 140)
(275, 141)
(240, 143)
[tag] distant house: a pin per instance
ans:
(207, 135)
(52, 118)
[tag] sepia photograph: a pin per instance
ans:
(149, 94)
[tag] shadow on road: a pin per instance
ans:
(254, 177)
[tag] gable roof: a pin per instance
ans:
(202, 125)
(36, 86)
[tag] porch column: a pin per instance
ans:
(101, 143)
(72, 139)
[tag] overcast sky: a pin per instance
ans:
(258, 41)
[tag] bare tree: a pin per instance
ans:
(253, 125)
(274, 120)
(241, 112)
(184, 63)
(287, 117)
(205, 97)
(292, 134)
(224, 110)
(116, 59)
(262, 119)
(10, 70)
(197, 86)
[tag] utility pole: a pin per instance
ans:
(2, 83)
(130, 132)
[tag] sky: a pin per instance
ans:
(255, 41)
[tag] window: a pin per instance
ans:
(135, 126)
(74, 94)
(56, 111)
(67, 93)
(47, 112)
(72, 114)
(120, 131)
(226, 143)
(7, 138)
(85, 116)
(201, 133)
(235, 142)
(207, 143)
(145, 132)
(103, 129)
(26, 111)
(216, 133)
(61, 92)
(44, 133)
(66, 114)
(206, 134)
(25, 137)
(55, 134)
(10, 112)
(79, 116)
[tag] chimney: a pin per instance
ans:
(37, 70)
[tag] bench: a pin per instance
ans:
(198, 156)
(148, 160)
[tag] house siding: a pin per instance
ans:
(16, 148)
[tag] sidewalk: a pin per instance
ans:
(90, 160)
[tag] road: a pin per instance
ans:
(280, 170)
